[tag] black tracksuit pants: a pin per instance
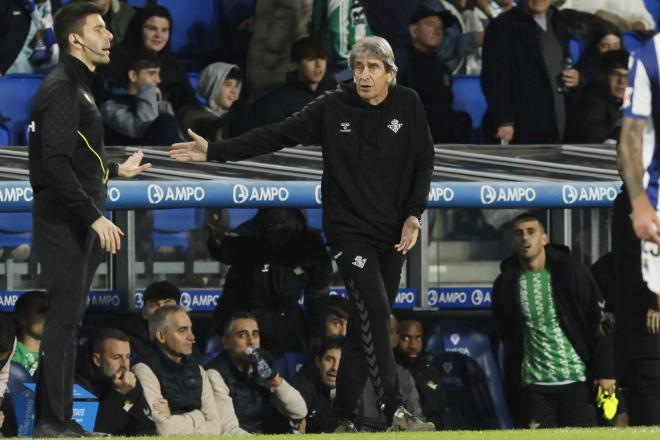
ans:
(557, 406)
(69, 256)
(372, 279)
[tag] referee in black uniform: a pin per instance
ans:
(377, 166)
(69, 173)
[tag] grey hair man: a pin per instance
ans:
(175, 386)
(378, 161)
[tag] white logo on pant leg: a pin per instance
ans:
(395, 125)
(359, 262)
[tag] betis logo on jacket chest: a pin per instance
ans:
(395, 125)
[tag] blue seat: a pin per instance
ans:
(214, 344)
(315, 218)
(195, 30)
(16, 92)
(18, 376)
(15, 229)
(575, 48)
(5, 137)
(469, 403)
(434, 343)
(469, 97)
(238, 216)
(139, 3)
(632, 41)
(172, 226)
(193, 79)
(653, 6)
(462, 338)
(289, 363)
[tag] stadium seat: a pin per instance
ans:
(15, 229)
(193, 78)
(16, 92)
(653, 6)
(632, 41)
(462, 338)
(470, 406)
(172, 226)
(238, 216)
(434, 342)
(288, 364)
(469, 97)
(5, 138)
(18, 375)
(140, 3)
(195, 28)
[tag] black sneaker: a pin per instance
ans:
(54, 429)
(74, 426)
(404, 421)
(345, 425)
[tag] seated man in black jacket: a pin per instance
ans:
(409, 354)
(317, 383)
(548, 311)
(304, 84)
(155, 296)
(262, 400)
(104, 370)
(273, 258)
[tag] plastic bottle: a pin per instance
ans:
(568, 65)
(263, 369)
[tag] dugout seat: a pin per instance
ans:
(462, 338)
(238, 216)
(172, 227)
(469, 97)
(16, 92)
(289, 363)
(15, 229)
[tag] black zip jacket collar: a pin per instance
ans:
(77, 70)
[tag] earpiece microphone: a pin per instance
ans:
(90, 49)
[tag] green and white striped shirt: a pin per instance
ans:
(548, 356)
(346, 24)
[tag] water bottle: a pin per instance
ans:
(263, 369)
(561, 87)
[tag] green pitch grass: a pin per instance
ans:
(549, 434)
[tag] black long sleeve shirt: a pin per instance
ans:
(377, 160)
(68, 165)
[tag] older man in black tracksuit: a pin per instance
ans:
(68, 173)
(548, 311)
(378, 160)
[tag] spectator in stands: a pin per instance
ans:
(155, 296)
(602, 38)
(598, 115)
(277, 25)
(422, 69)
(139, 114)
(117, 16)
(176, 387)
(335, 315)
(317, 383)
(372, 418)
(273, 258)
(637, 319)
(496, 7)
(340, 24)
(30, 311)
(28, 39)
(409, 354)
(476, 16)
(304, 84)
(103, 367)
(7, 349)
(548, 310)
(525, 76)
(263, 404)
(150, 29)
(224, 115)
(629, 15)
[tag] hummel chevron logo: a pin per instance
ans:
(345, 127)
(395, 125)
(359, 262)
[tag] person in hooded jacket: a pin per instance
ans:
(224, 115)
(150, 29)
(548, 310)
(273, 258)
(377, 167)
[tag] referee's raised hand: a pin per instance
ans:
(193, 151)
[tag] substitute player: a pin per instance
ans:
(377, 165)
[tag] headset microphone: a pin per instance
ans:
(90, 49)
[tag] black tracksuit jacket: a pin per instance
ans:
(377, 160)
(68, 165)
(579, 306)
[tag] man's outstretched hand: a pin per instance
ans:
(131, 167)
(193, 151)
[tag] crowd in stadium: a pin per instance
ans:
(576, 338)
